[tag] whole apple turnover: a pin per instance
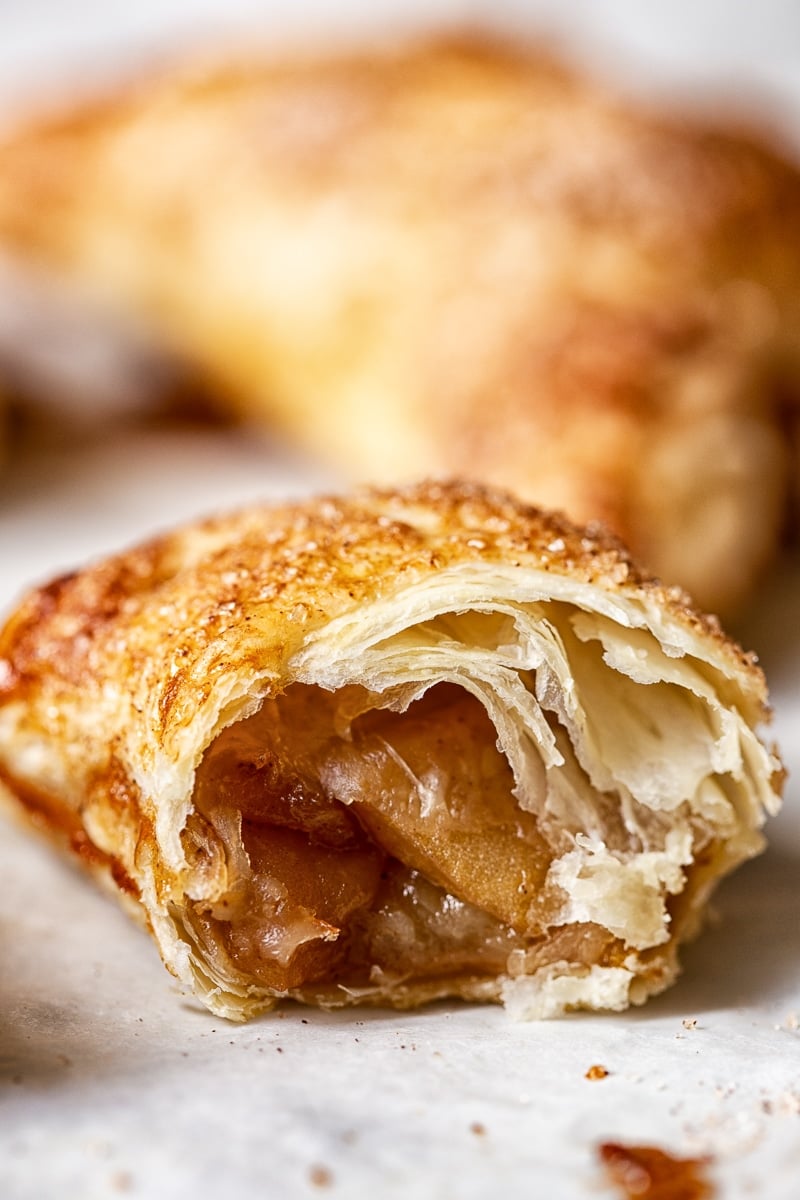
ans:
(387, 748)
(454, 257)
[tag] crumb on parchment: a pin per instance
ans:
(320, 1176)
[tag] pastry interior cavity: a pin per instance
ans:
(556, 800)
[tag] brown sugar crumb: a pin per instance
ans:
(596, 1071)
(321, 1176)
(478, 1128)
(647, 1173)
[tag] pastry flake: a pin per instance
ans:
(392, 747)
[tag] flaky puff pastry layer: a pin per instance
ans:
(454, 257)
(386, 748)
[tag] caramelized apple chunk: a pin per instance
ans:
(431, 786)
(329, 808)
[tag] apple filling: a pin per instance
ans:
(336, 843)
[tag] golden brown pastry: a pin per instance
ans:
(454, 257)
(382, 749)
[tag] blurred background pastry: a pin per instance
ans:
(451, 256)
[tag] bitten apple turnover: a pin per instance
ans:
(392, 747)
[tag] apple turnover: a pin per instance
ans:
(392, 747)
(453, 257)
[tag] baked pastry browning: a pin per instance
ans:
(453, 257)
(405, 745)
